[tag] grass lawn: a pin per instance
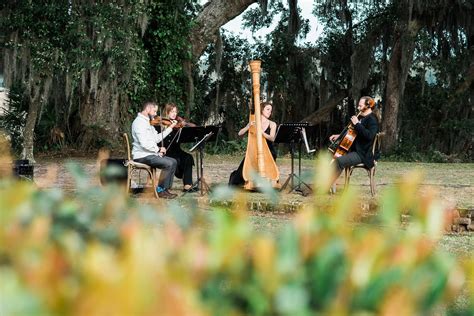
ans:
(454, 183)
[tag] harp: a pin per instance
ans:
(258, 158)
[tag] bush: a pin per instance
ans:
(411, 154)
(226, 147)
(99, 252)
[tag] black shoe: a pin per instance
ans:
(191, 189)
(171, 194)
(167, 195)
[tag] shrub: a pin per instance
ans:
(99, 252)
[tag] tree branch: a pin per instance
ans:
(322, 114)
(215, 13)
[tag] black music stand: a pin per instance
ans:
(193, 134)
(292, 134)
(200, 135)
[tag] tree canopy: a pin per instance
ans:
(82, 68)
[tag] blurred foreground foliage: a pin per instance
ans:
(101, 253)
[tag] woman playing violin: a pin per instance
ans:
(268, 131)
(185, 161)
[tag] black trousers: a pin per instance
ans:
(350, 159)
(184, 169)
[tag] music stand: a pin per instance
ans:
(292, 134)
(193, 134)
(201, 135)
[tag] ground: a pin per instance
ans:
(453, 182)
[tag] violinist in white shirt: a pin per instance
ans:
(145, 149)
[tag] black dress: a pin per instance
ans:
(184, 169)
(236, 177)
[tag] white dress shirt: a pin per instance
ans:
(146, 138)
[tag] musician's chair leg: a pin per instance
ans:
(129, 178)
(347, 176)
(372, 180)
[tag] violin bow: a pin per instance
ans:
(161, 129)
(174, 137)
(162, 138)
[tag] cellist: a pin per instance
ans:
(268, 131)
(366, 127)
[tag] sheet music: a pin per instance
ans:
(305, 139)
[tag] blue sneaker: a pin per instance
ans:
(159, 189)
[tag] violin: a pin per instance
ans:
(162, 121)
(184, 122)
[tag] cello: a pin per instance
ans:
(341, 145)
(258, 157)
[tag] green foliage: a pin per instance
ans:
(233, 84)
(436, 122)
(230, 94)
(234, 147)
(167, 44)
(94, 49)
(80, 46)
(98, 251)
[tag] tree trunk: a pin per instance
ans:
(39, 90)
(362, 59)
(29, 131)
(101, 105)
(392, 100)
(323, 89)
(400, 62)
(294, 83)
(189, 86)
(214, 14)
